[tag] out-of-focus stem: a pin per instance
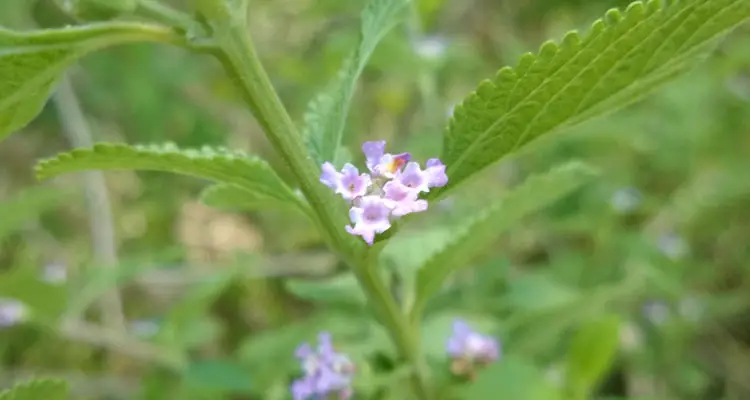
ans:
(101, 225)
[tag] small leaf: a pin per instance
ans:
(38, 389)
(474, 237)
(340, 289)
(326, 116)
(233, 197)
(249, 173)
(223, 376)
(511, 377)
(31, 63)
(591, 353)
(623, 57)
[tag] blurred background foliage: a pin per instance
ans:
(216, 300)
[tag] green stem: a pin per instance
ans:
(237, 53)
(164, 14)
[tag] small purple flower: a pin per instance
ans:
(382, 163)
(348, 183)
(414, 178)
(327, 373)
(673, 246)
(406, 201)
(391, 190)
(470, 350)
(55, 273)
(626, 200)
(435, 172)
(12, 312)
(369, 217)
(656, 311)
(468, 344)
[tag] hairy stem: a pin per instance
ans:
(241, 61)
(101, 224)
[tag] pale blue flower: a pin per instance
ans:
(469, 345)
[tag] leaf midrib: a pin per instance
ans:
(456, 164)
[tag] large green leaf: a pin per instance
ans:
(326, 115)
(249, 173)
(478, 233)
(623, 57)
(591, 353)
(38, 389)
(32, 62)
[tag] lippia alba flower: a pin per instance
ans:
(327, 373)
(470, 350)
(390, 190)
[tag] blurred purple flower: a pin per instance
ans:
(12, 312)
(326, 372)
(431, 47)
(656, 311)
(470, 349)
(672, 246)
(391, 190)
(55, 272)
(626, 200)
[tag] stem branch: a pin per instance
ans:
(237, 53)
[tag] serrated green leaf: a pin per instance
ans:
(31, 63)
(510, 378)
(38, 389)
(623, 57)
(325, 118)
(475, 236)
(249, 173)
(591, 353)
(231, 197)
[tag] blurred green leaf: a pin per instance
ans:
(223, 376)
(46, 301)
(623, 57)
(233, 197)
(591, 353)
(38, 389)
(511, 377)
(27, 205)
(98, 10)
(479, 232)
(326, 116)
(218, 164)
(340, 289)
(32, 62)
(538, 291)
(186, 326)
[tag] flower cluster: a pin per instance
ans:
(327, 373)
(470, 350)
(390, 190)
